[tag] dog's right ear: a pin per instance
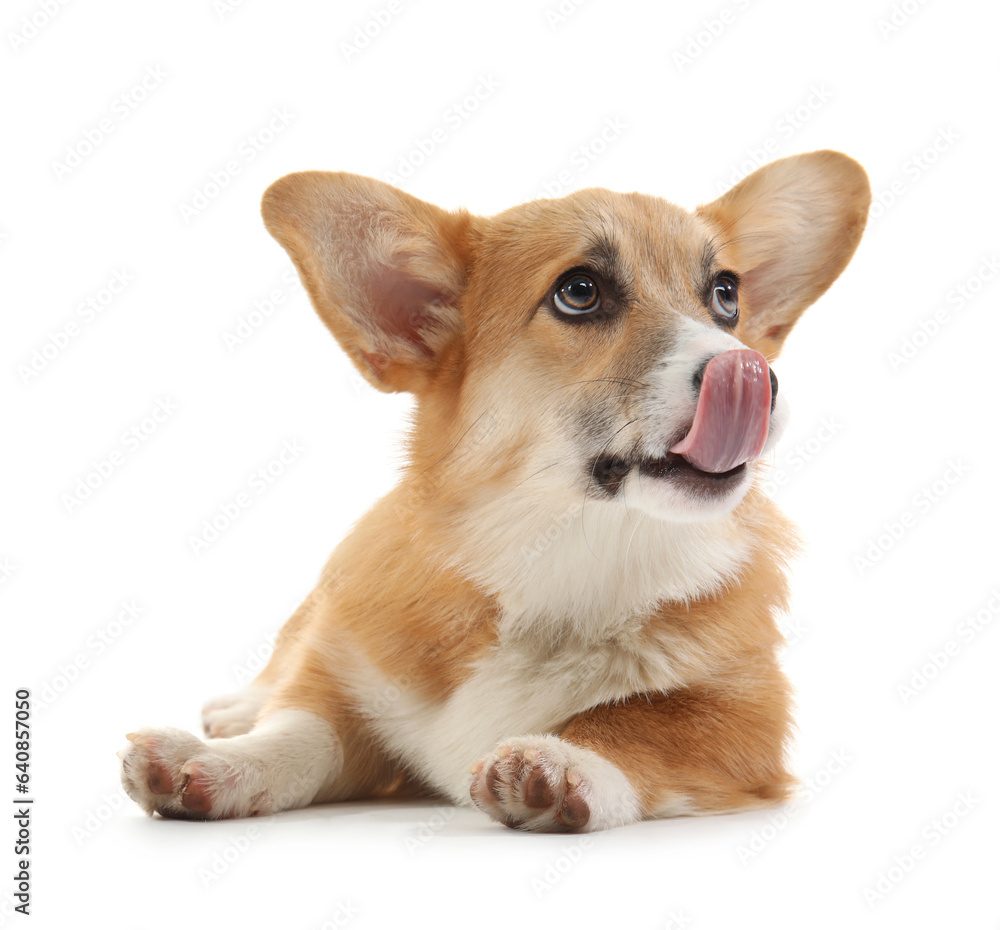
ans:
(385, 271)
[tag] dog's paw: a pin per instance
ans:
(546, 785)
(172, 773)
(233, 714)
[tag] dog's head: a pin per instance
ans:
(615, 343)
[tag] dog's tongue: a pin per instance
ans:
(734, 407)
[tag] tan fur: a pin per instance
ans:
(423, 600)
(765, 236)
(721, 741)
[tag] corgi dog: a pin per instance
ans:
(565, 613)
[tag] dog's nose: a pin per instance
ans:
(699, 375)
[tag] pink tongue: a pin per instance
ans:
(734, 407)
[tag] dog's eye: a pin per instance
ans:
(725, 298)
(577, 294)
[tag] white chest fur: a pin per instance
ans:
(570, 635)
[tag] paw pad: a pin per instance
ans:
(159, 775)
(530, 788)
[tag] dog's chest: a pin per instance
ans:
(573, 631)
(528, 684)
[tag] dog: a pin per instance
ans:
(565, 613)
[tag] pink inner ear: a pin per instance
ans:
(402, 307)
(763, 281)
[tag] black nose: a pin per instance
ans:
(699, 375)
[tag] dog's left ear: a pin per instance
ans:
(789, 229)
(385, 271)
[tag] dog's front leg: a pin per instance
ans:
(698, 750)
(285, 762)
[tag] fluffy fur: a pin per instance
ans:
(532, 621)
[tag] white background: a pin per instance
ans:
(899, 821)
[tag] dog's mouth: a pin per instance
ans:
(610, 471)
(674, 467)
(729, 430)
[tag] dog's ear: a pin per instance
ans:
(385, 271)
(789, 229)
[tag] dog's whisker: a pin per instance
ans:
(638, 518)
(455, 446)
(628, 382)
(523, 481)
